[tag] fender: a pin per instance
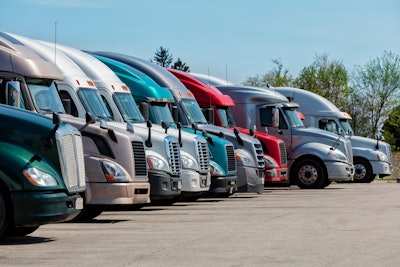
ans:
(16, 158)
(318, 150)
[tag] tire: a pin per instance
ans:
(21, 231)
(4, 215)
(88, 213)
(362, 171)
(309, 174)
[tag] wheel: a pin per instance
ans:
(4, 215)
(309, 174)
(21, 231)
(88, 213)
(362, 171)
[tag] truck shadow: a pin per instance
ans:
(25, 240)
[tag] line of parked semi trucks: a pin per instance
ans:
(82, 131)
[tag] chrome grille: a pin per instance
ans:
(203, 156)
(230, 154)
(282, 151)
(70, 148)
(139, 158)
(174, 156)
(389, 153)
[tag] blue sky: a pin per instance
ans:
(233, 38)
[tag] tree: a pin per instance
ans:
(378, 83)
(328, 79)
(163, 57)
(391, 130)
(275, 77)
(179, 65)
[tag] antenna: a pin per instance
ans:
(55, 42)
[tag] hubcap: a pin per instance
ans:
(308, 174)
(359, 171)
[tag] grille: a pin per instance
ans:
(174, 156)
(389, 153)
(260, 154)
(230, 154)
(282, 150)
(71, 159)
(203, 156)
(139, 158)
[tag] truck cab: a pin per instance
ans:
(371, 158)
(217, 109)
(155, 104)
(315, 157)
(248, 151)
(116, 171)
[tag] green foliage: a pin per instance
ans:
(378, 84)
(163, 58)
(326, 78)
(276, 77)
(179, 65)
(391, 129)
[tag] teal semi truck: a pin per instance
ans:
(248, 150)
(154, 102)
(115, 165)
(41, 169)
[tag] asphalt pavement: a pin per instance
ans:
(341, 225)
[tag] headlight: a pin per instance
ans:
(338, 156)
(382, 157)
(188, 163)
(156, 163)
(270, 162)
(244, 159)
(215, 169)
(39, 178)
(113, 172)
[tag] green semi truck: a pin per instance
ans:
(41, 170)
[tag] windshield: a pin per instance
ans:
(293, 118)
(160, 112)
(92, 103)
(346, 126)
(193, 111)
(226, 117)
(45, 95)
(127, 107)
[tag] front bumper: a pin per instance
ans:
(223, 184)
(194, 182)
(339, 171)
(164, 186)
(250, 179)
(36, 208)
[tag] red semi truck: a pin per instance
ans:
(216, 107)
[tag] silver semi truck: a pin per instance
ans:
(315, 157)
(371, 157)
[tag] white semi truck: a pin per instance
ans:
(371, 157)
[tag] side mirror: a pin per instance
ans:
(175, 113)
(13, 93)
(144, 109)
(90, 119)
(209, 114)
(275, 117)
(194, 127)
(165, 126)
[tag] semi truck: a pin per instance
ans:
(248, 150)
(315, 157)
(41, 169)
(194, 178)
(371, 157)
(115, 165)
(217, 109)
(155, 105)
(164, 175)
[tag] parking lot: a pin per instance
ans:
(342, 225)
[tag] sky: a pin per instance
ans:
(230, 39)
